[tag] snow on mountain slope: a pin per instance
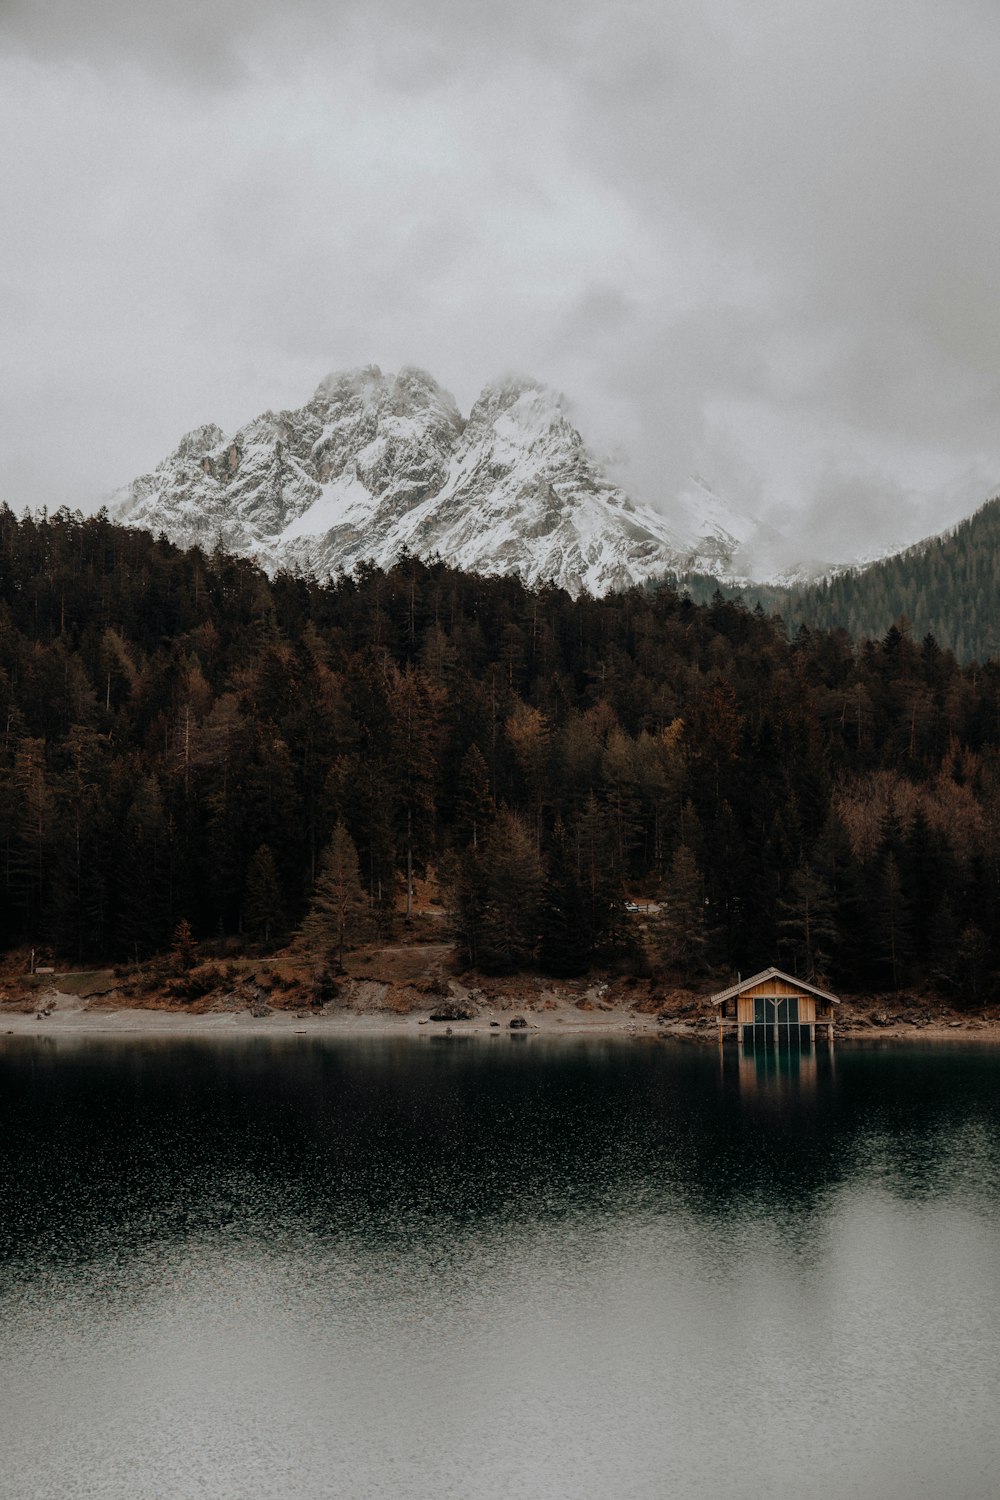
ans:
(377, 463)
(363, 433)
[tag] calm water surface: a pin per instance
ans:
(496, 1268)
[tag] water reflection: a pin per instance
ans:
(387, 1268)
(780, 1074)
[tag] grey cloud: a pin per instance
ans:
(846, 153)
(221, 42)
(196, 41)
(757, 242)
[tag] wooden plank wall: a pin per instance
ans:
(774, 987)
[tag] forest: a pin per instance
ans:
(946, 586)
(186, 741)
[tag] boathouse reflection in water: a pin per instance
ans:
(775, 1072)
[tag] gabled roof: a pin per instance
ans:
(755, 979)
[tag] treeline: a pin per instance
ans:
(947, 587)
(180, 737)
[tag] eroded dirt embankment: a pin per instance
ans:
(409, 985)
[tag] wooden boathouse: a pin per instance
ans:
(773, 1009)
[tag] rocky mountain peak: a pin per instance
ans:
(364, 383)
(199, 441)
(377, 462)
(526, 401)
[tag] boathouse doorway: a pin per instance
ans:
(777, 1022)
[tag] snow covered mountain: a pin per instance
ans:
(377, 463)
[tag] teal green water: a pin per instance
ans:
(496, 1268)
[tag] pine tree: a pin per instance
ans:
(566, 935)
(415, 709)
(599, 875)
(263, 905)
(144, 873)
(474, 808)
(892, 921)
(338, 914)
(620, 770)
(679, 933)
(463, 880)
(973, 956)
(926, 876)
(183, 949)
(529, 736)
(30, 848)
(512, 883)
(80, 872)
(806, 925)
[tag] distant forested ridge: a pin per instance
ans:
(948, 586)
(180, 737)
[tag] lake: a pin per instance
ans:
(497, 1267)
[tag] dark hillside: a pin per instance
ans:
(948, 587)
(180, 737)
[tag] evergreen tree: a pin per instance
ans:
(807, 929)
(144, 871)
(415, 710)
(183, 949)
(679, 931)
(29, 849)
(512, 884)
(338, 914)
(926, 877)
(972, 962)
(81, 867)
(474, 808)
(463, 877)
(566, 944)
(598, 874)
(620, 771)
(944, 967)
(263, 905)
(892, 919)
(529, 736)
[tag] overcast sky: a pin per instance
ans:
(754, 241)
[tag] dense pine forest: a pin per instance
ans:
(947, 587)
(183, 740)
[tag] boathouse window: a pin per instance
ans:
(769, 1010)
(776, 1019)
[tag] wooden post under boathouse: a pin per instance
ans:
(773, 1009)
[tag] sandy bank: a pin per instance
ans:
(67, 1016)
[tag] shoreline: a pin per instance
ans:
(68, 1018)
